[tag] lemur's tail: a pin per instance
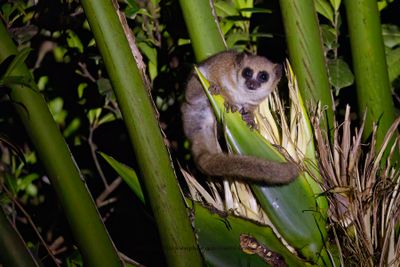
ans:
(242, 167)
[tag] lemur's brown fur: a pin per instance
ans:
(244, 81)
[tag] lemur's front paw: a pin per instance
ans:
(214, 89)
(248, 117)
(230, 107)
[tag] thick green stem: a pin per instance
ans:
(204, 35)
(86, 225)
(154, 162)
(369, 64)
(14, 252)
(306, 53)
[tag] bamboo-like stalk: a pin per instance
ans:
(203, 30)
(369, 64)
(306, 53)
(158, 177)
(86, 225)
(13, 249)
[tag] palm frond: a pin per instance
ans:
(363, 192)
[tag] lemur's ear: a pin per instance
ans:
(278, 70)
(239, 60)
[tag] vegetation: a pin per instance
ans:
(95, 169)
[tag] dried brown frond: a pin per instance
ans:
(363, 192)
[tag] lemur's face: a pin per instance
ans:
(257, 77)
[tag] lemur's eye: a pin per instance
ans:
(263, 76)
(247, 73)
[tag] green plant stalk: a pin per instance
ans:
(158, 177)
(86, 225)
(306, 54)
(205, 37)
(14, 252)
(369, 64)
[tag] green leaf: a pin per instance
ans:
(391, 35)
(81, 88)
(224, 249)
(6, 10)
(324, 8)
(72, 127)
(225, 9)
(105, 88)
(60, 54)
(256, 10)
(226, 25)
(335, 4)
(328, 36)
(9, 81)
(109, 117)
(11, 183)
(56, 109)
(73, 41)
(340, 75)
(239, 4)
(127, 174)
(24, 183)
(383, 4)
(18, 60)
(393, 62)
(151, 54)
(132, 3)
(93, 115)
(42, 82)
(261, 35)
(237, 37)
(131, 9)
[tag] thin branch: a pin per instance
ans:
(85, 73)
(126, 259)
(30, 221)
(109, 189)
(93, 149)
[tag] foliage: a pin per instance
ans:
(56, 42)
